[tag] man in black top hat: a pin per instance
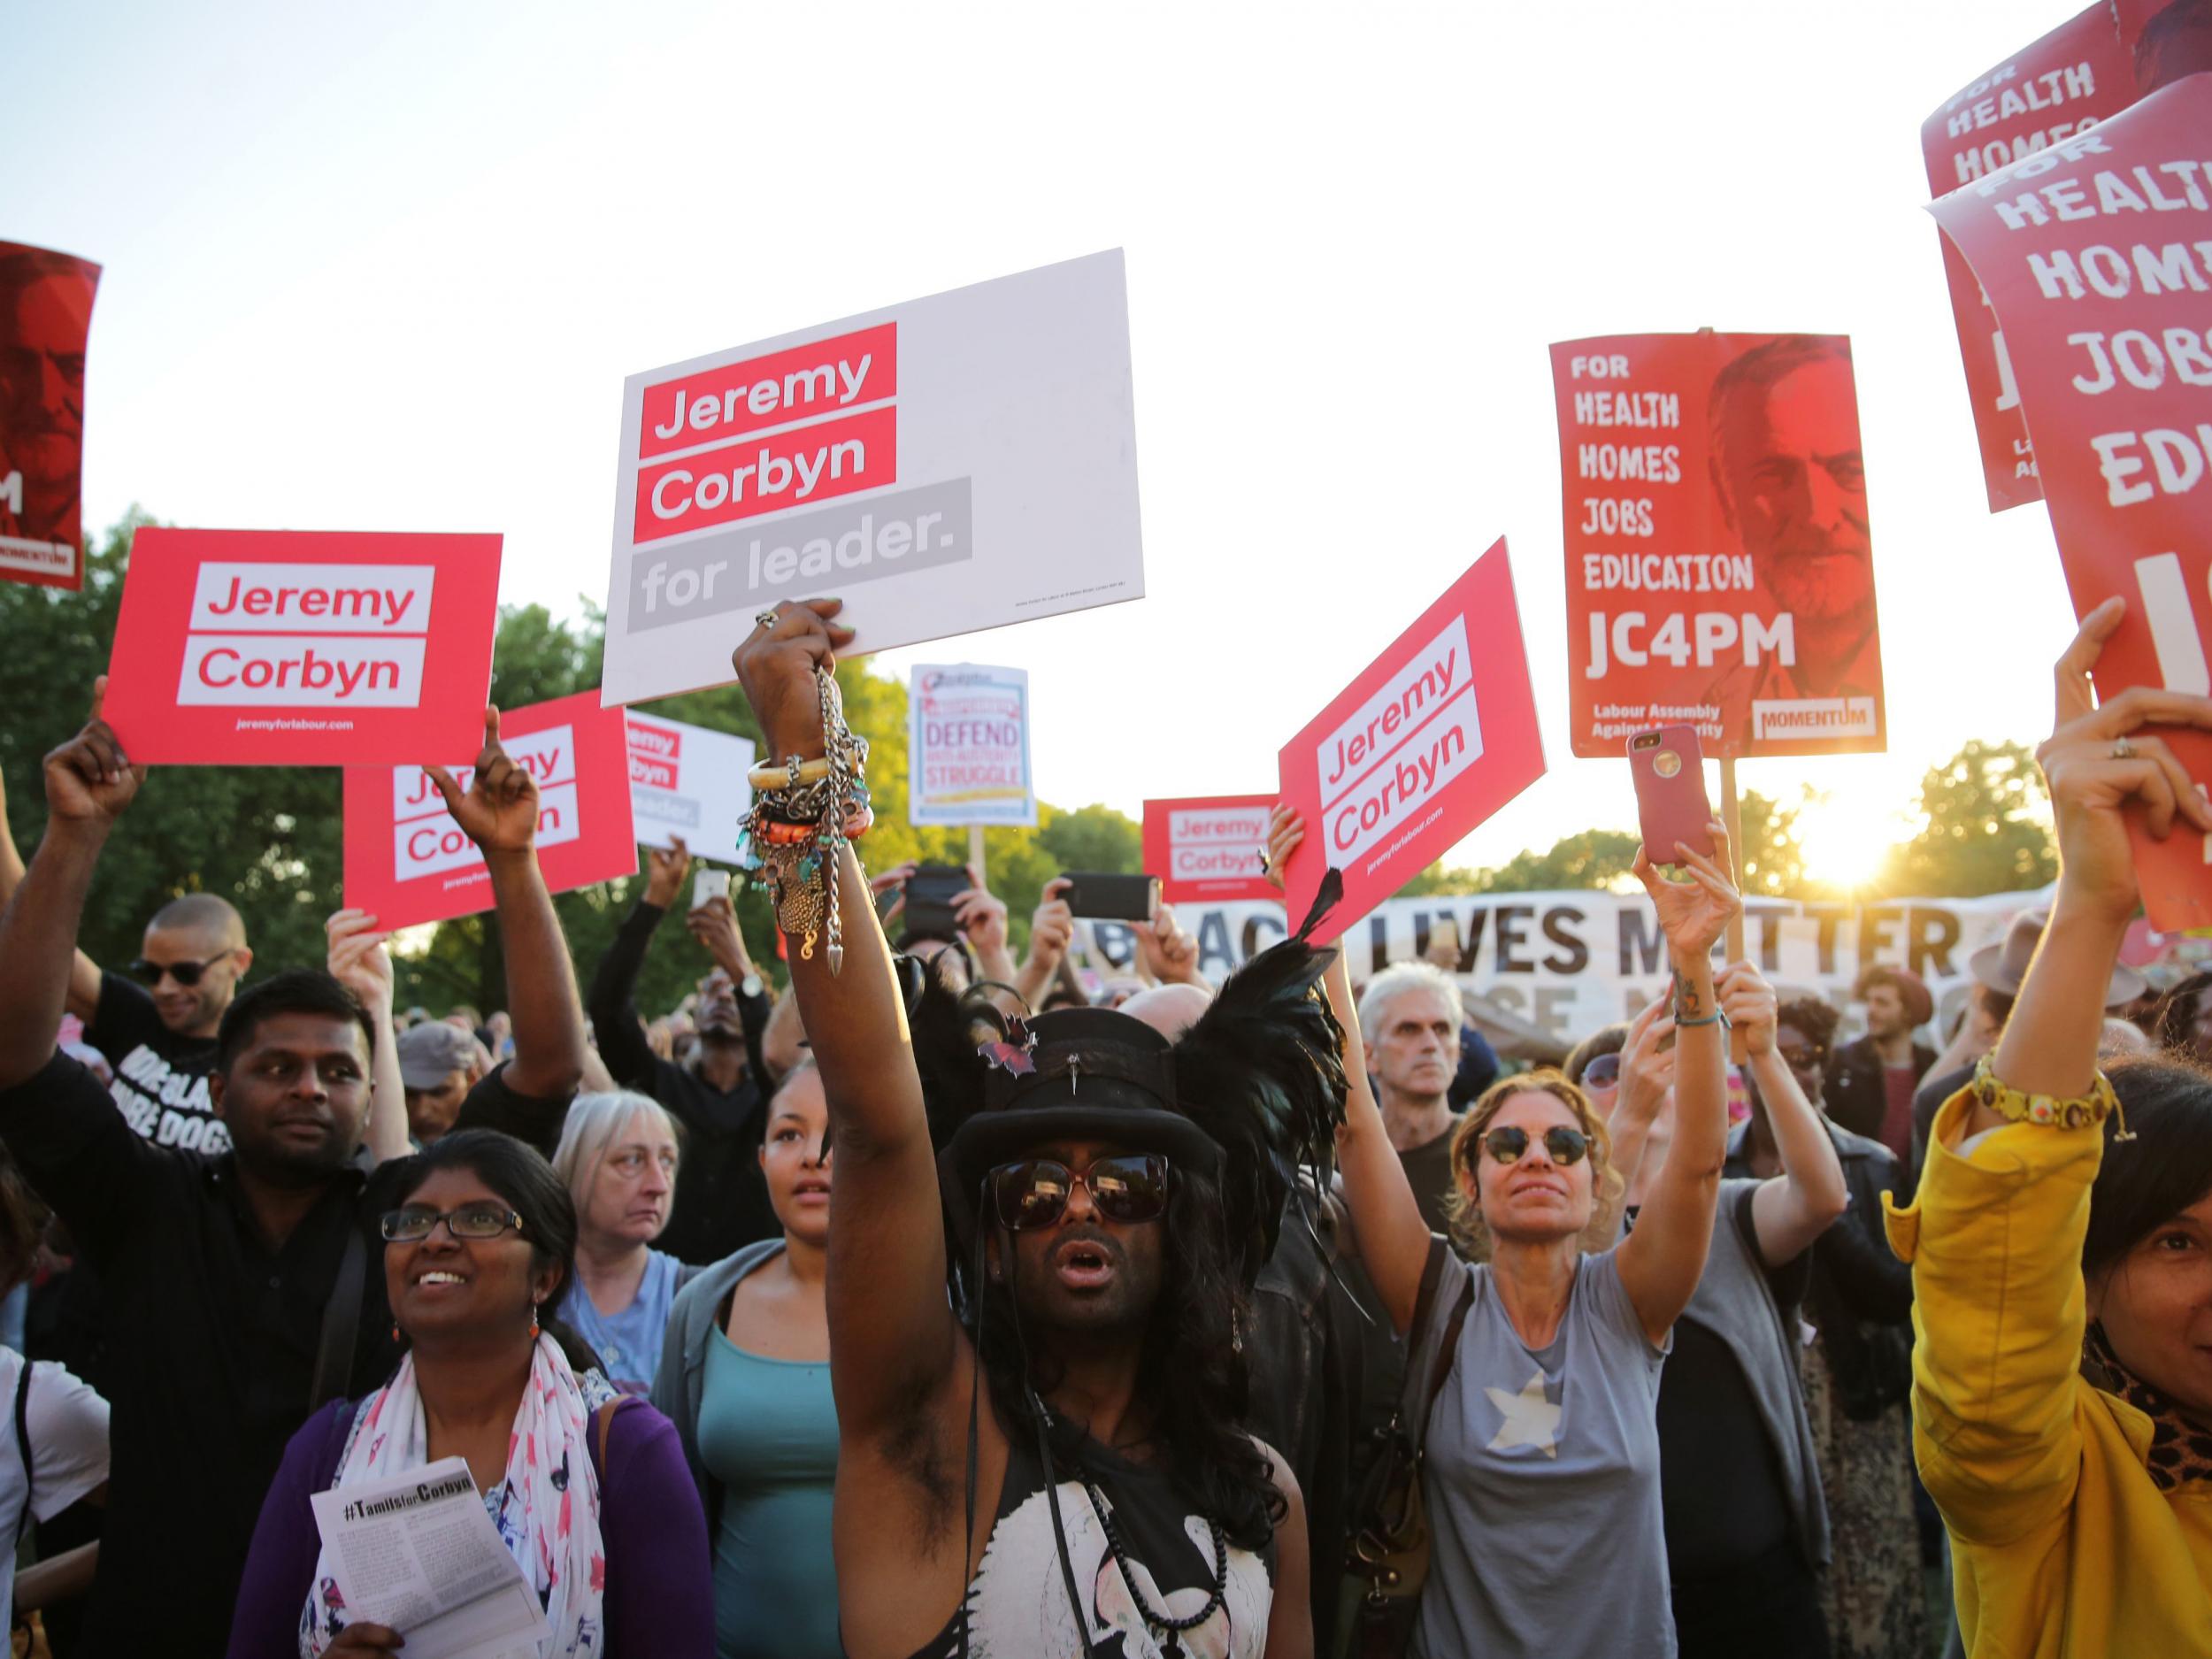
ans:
(1046, 1462)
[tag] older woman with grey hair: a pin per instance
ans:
(618, 1157)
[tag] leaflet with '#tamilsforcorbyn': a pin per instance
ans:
(419, 1552)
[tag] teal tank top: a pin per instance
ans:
(768, 1434)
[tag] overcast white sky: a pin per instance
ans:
(386, 268)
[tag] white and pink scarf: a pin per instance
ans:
(547, 1508)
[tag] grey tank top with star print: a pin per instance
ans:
(1541, 1478)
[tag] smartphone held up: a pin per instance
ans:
(1671, 805)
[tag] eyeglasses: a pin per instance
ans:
(1507, 1144)
(470, 1221)
(1034, 1193)
(1803, 1059)
(185, 973)
(1602, 1072)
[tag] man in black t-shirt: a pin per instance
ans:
(157, 1026)
(224, 1302)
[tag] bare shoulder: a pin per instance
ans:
(1280, 1471)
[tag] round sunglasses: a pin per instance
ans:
(1124, 1188)
(1507, 1144)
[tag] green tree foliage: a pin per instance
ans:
(1986, 829)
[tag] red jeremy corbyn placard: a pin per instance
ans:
(2096, 254)
(407, 861)
(1208, 848)
(1432, 738)
(45, 316)
(280, 648)
(1719, 569)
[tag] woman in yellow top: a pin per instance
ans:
(2063, 1265)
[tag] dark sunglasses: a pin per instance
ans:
(1507, 1144)
(1602, 1072)
(1034, 1192)
(470, 1221)
(185, 973)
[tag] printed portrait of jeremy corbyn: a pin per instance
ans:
(45, 311)
(1789, 480)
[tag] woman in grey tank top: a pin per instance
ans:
(1541, 1468)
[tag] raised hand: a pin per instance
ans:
(89, 780)
(714, 924)
(358, 959)
(1751, 1005)
(1171, 955)
(1052, 927)
(1694, 913)
(981, 915)
(1284, 830)
(2102, 765)
(775, 667)
(499, 811)
(665, 868)
(893, 881)
(1646, 1067)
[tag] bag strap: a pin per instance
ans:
(342, 1324)
(605, 1414)
(1419, 1396)
(23, 1442)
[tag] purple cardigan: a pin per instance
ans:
(660, 1579)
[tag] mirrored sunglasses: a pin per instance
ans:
(1602, 1072)
(1509, 1143)
(1034, 1192)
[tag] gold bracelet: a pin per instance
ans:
(2049, 1111)
(779, 777)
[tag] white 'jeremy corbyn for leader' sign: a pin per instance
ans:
(956, 463)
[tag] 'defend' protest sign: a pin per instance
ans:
(688, 781)
(1208, 848)
(407, 861)
(1432, 738)
(952, 464)
(1719, 569)
(2096, 254)
(2087, 70)
(279, 647)
(45, 317)
(967, 746)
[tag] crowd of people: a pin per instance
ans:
(1280, 1318)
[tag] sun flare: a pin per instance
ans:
(1843, 840)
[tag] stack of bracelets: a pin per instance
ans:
(803, 812)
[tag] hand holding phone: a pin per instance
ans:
(708, 885)
(1669, 772)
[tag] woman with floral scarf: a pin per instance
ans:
(589, 1492)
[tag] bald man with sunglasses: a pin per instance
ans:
(156, 1021)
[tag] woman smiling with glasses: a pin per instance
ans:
(587, 1488)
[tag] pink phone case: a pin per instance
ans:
(1671, 804)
